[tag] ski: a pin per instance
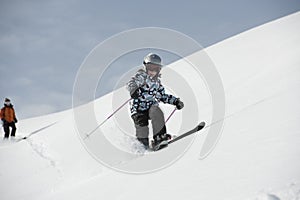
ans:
(164, 144)
(194, 130)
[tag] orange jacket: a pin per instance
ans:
(8, 114)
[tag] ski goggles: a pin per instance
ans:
(7, 103)
(153, 67)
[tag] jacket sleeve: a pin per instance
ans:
(2, 113)
(136, 81)
(162, 96)
(15, 118)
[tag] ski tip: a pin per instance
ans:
(201, 126)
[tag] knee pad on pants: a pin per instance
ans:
(141, 118)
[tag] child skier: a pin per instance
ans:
(8, 118)
(147, 91)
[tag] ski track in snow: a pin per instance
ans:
(241, 110)
(291, 192)
(42, 151)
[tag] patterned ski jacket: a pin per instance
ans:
(151, 92)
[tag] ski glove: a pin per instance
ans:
(179, 104)
(15, 120)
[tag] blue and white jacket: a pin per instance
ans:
(151, 91)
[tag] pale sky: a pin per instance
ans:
(43, 43)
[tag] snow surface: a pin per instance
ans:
(257, 156)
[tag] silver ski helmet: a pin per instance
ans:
(153, 59)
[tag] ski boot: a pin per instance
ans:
(160, 141)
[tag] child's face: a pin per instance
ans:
(152, 73)
(153, 70)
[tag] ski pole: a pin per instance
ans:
(112, 114)
(170, 115)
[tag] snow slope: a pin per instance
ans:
(257, 156)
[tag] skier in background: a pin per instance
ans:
(147, 91)
(8, 118)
